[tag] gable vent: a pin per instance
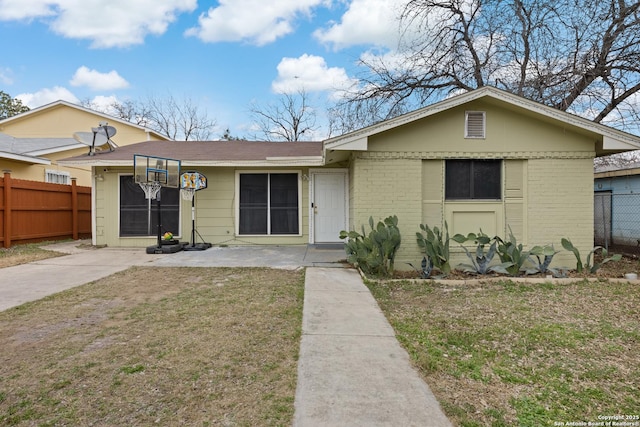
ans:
(474, 124)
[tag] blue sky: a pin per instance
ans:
(222, 55)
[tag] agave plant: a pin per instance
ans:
(480, 263)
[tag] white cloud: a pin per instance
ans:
(309, 73)
(107, 23)
(46, 96)
(96, 80)
(104, 104)
(25, 9)
(366, 22)
(256, 21)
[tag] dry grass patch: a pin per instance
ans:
(23, 254)
(163, 346)
(506, 354)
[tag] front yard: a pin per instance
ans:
(506, 354)
(156, 346)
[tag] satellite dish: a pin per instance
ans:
(98, 138)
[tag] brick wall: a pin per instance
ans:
(384, 187)
(560, 204)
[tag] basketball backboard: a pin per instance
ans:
(156, 169)
(193, 180)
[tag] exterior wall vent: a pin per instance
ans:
(474, 124)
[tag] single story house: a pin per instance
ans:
(616, 208)
(486, 159)
(31, 143)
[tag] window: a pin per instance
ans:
(473, 179)
(474, 124)
(139, 216)
(268, 204)
(57, 177)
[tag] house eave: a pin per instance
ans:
(314, 161)
(24, 158)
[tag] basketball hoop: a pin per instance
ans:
(187, 193)
(151, 189)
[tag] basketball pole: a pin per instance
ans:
(158, 205)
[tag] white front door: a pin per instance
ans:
(329, 206)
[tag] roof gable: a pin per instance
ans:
(62, 105)
(609, 140)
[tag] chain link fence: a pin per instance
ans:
(617, 221)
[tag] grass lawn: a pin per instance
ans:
(156, 346)
(503, 354)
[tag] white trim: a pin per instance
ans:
(24, 158)
(61, 174)
(237, 201)
(312, 175)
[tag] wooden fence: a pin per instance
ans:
(33, 211)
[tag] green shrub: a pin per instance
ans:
(374, 253)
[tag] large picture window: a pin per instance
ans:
(268, 204)
(139, 216)
(473, 179)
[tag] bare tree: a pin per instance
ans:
(290, 119)
(179, 120)
(581, 56)
(176, 119)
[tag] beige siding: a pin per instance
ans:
(215, 217)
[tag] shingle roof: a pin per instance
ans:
(29, 149)
(209, 153)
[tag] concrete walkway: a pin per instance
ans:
(352, 370)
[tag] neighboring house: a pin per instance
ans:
(31, 143)
(617, 208)
(485, 160)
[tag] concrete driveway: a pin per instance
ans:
(84, 264)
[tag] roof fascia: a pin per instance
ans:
(311, 161)
(24, 158)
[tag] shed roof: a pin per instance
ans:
(211, 153)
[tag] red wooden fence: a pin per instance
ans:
(33, 211)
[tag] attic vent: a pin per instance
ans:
(474, 124)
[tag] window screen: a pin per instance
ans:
(139, 216)
(473, 179)
(269, 203)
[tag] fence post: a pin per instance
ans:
(7, 208)
(74, 207)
